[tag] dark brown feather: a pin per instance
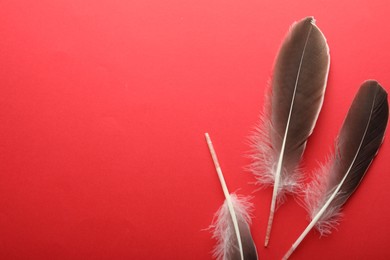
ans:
(358, 142)
(359, 139)
(298, 86)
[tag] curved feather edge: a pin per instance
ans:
(223, 230)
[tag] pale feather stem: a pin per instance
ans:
(226, 193)
(280, 159)
(331, 198)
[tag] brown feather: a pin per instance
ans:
(298, 86)
(357, 144)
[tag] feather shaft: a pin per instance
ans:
(226, 193)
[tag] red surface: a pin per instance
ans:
(103, 106)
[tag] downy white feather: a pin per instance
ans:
(223, 229)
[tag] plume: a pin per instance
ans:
(231, 222)
(297, 91)
(357, 144)
(224, 231)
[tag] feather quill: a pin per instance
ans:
(357, 144)
(297, 92)
(231, 222)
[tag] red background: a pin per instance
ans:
(103, 107)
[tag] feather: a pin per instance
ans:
(223, 230)
(231, 222)
(298, 86)
(357, 144)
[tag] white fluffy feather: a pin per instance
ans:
(264, 158)
(316, 195)
(222, 226)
